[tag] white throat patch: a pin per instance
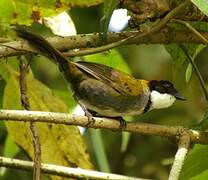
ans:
(160, 100)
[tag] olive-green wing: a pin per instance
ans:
(118, 80)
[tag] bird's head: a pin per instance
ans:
(163, 94)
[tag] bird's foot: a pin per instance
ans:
(122, 123)
(91, 120)
(89, 115)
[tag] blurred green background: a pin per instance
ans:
(145, 156)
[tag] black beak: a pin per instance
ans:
(179, 97)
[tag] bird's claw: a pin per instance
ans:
(122, 123)
(91, 120)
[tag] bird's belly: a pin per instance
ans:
(112, 111)
(104, 100)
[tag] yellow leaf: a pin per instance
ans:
(60, 144)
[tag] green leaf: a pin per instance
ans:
(196, 162)
(5, 69)
(203, 124)
(202, 5)
(125, 141)
(108, 8)
(67, 97)
(202, 176)
(200, 26)
(60, 144)
(188, 72)
(26, 12)
(177, 55)
(111, 58)
(189, 67)
(99, 149)
(10, 149)
(83, 3)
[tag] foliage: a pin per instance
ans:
(195, 166)
(48, 91)
(59, 144)
(26, 12)
(202, 5)
(109, 6)
(189, 68)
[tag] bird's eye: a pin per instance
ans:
(167, 85)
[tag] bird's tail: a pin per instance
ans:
(71, 72)
(43, 46)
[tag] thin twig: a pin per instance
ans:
(63, 171)
(83, 52)
(192, 29)
(184, 143)
(198, 74)
(105, 123)
(23, 84)
(26, 105)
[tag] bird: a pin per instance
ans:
(104, 91)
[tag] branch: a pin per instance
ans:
(63, 171)
(141, 34)
(191, 60)
(165, 36)
(198, 74)
(192, 29)
(142, 11)
(24, 68)
(183, 147)
(3, 40)
(106, 123)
